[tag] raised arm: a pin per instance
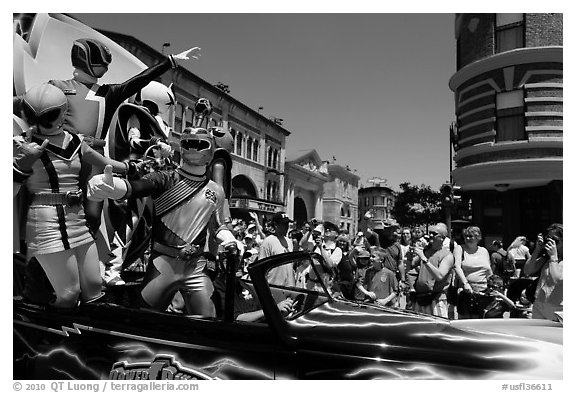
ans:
(535, 263)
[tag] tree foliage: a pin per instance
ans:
(417, 205)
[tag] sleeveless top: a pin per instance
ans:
(426, 281)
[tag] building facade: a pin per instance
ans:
(375, 205)
(306, 175)
(340, 201)
(507, 136)
(259, 143)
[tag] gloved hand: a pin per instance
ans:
(226, 239)
(163, 151)
(106, 186)
(184, 55)
(138, 168)
(27, 154)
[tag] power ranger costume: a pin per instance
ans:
(157, 99)
(188, 212)
(50, 163)
(137, 130)
(91, 106)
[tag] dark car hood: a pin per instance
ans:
(434, 347)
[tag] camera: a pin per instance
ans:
(547, 238)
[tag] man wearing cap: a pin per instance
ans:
(278, 243)
(436, 263)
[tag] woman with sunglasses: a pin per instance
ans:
(548, 259)
(49, 162)
(472, 266)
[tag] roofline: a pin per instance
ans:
(376, 188)
(112, 35)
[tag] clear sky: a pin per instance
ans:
(369, 89)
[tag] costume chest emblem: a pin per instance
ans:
(210, 196)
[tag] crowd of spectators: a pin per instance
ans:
(418, 268)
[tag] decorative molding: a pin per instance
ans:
(541, 54)
(476, 97)
(477, 136)
(530, 73)
(544, 128)
(520, 173)
(491, 82)
(476, 110)
(544, 114)
(491, 119)
(542, 85)
(495, 147)
(543, 99)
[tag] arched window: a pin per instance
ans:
(249, 148)
(178, 121)
(255, 150)
(269, 162)
(233, 133)
(239, 143)
(341, 212)
(275, 159)
(189, 117)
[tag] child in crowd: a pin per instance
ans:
(380, 284)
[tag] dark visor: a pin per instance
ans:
(195, 144)
(46, 119)
(98, 55)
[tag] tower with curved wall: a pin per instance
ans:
(508, 95)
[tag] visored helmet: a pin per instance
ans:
(44, 106)
(203, 107)
(196, 146)
(91, 56)
(157, 97)
(223, 138)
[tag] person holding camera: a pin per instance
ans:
(325, 244)
(547, 259)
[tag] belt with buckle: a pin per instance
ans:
(70, 198)
(185, 253)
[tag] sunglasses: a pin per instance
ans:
(433, 234)
(470, 237)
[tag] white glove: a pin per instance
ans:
(106, 186)
(226, 238)
(184, 55)
(164, 150)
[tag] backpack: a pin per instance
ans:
(508, 265)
